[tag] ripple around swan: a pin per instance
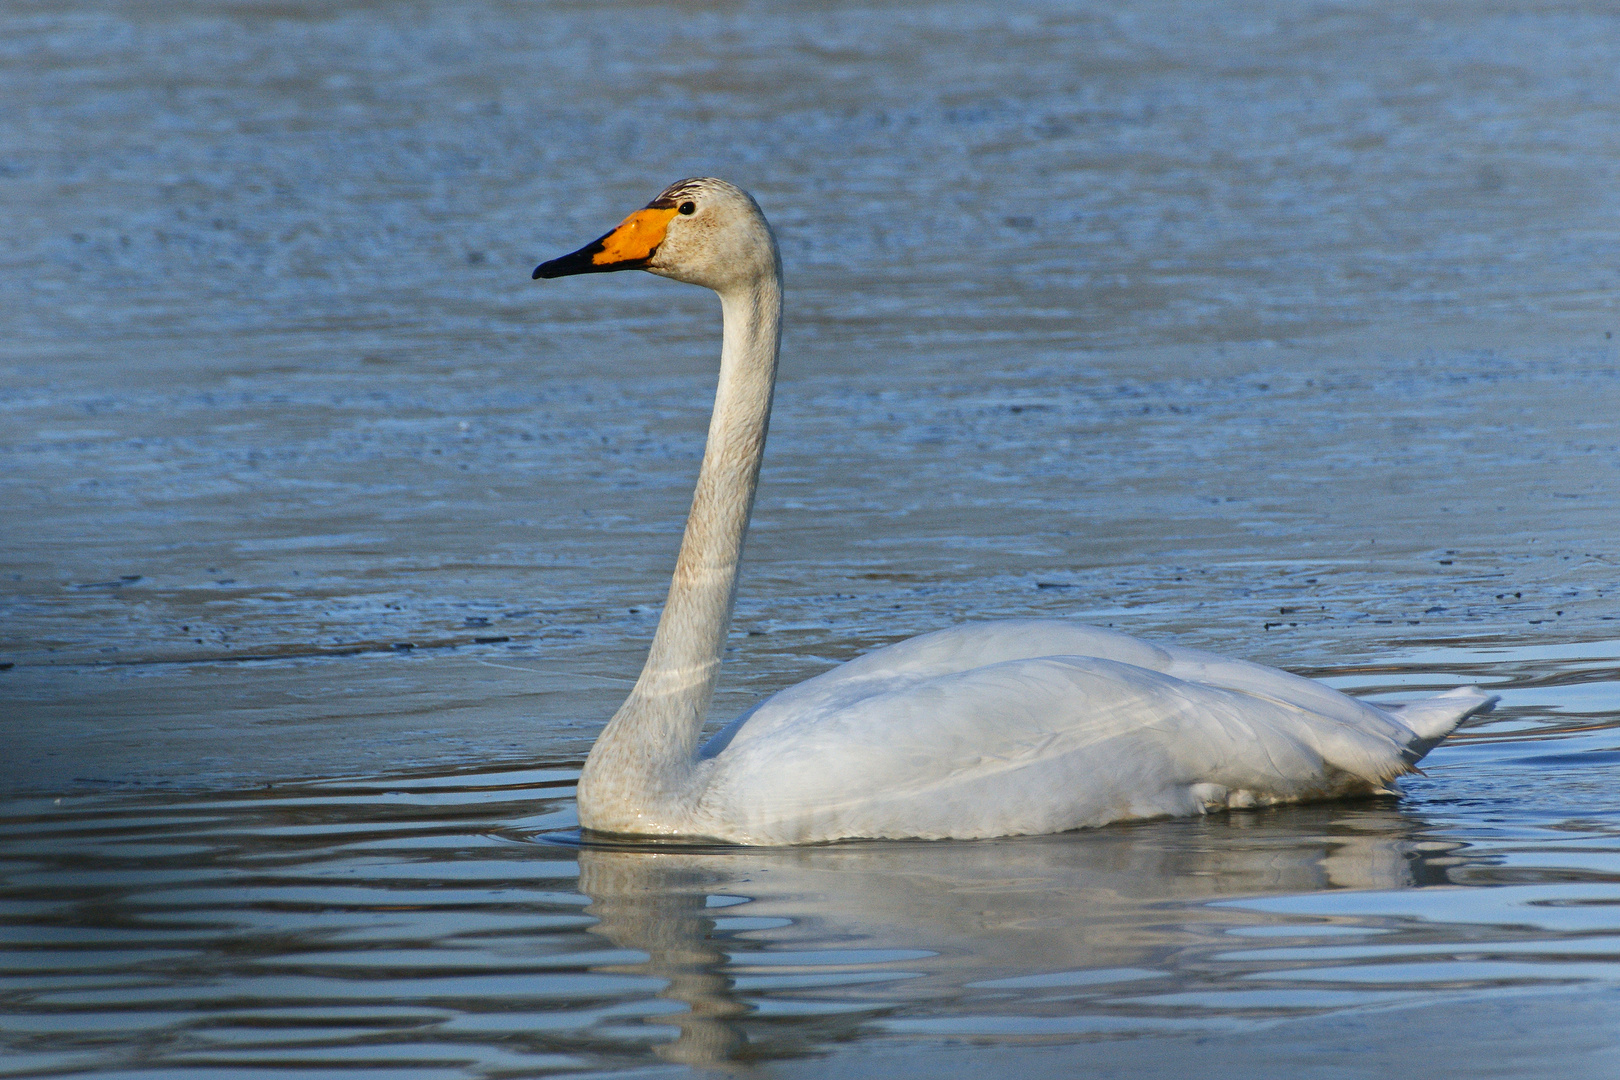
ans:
(453, 925)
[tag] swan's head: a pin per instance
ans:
(703, 230)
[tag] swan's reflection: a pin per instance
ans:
(923, 927)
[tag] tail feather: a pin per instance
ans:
(1434, 718)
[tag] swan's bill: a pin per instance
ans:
(628, 247)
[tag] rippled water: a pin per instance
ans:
(329, 539)
(445, 923)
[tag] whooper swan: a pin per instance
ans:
(984, 729)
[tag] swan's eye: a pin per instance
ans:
(688, 207)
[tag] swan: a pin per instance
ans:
(979, 730)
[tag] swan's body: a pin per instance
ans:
(990, 729)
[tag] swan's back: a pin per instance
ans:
(1021, 727)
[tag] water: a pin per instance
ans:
(330, 539)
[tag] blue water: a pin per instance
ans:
(330, 539)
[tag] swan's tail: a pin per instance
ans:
(1433, 719)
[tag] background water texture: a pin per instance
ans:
(328, 539)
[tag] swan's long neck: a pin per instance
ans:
(644, 758)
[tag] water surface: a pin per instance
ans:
(330, 539)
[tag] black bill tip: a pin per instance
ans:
(577, 262)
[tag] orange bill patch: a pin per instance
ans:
(636, 238)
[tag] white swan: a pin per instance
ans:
(989, 729)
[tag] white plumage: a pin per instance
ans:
(980, 730)
(1024, 727)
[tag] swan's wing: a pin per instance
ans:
(1031, 746)
(974, 645)
(943, 652)
(892, 745)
